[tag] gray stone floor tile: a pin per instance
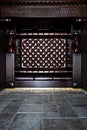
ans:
(58, 93)
(84, 122)
(5, 121)
(51, 99)
(61, 102)
(58, 97)
(75, 94)
(44, 99)
(55, 99)
(50, 108)
(78, 102)
(31, 108)
(26, 122)
(4, 102)
(51, 114)
(4, 96)
(62, 124)
(16, 96)
(81, 111)
(2, 108)
(36, 99)
(12, 107)
(67, 111)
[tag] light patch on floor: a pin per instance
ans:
(43, 89)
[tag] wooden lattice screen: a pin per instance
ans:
(43, 53)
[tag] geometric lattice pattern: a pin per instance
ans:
(43, 53)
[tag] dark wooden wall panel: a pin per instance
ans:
(84, 71)
(2, 59)
(83, 45)
(2, 70)
(83, 39)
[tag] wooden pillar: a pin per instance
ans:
(9, 70)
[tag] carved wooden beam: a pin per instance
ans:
(43, 11)
(43, 8)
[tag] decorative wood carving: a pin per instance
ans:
(43, 11)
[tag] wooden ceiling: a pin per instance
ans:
(46, 2)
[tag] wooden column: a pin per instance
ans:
(77, 70)
(9, 70)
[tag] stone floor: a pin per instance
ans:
(43, 109)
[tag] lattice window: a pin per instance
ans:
(43, 53)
